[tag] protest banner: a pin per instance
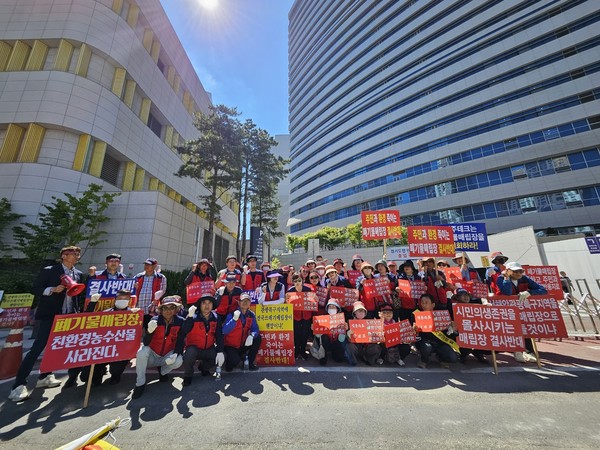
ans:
(453, 274)
(408, 335)
(92, 338)
(548, 277)
(353, 275)
(17, 310)
(333, 324)
(194, 291)
(540, 315)
(485, 327)
(409, 292)
(429, 321)
(475, 288)
(366, 331)
(344, 296)
(321, 296)
(470, 237)
(108, 291)
(302, 301)
(276, 325)
(431, 241)
(383, 224)
(399, 333)
(377, 288)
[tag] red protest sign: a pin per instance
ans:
(353, 276)
(14, 317)
(428, 321)
(486, 327)
(276, 349)
(383, 224)
(367, 331)
(392, 334)
(329, 324)
(302, 301)
(321, 296)
(540, 315)
(408, 335)
(344, 296)
(548, 277)
(432, 241)
(409, 292)
(82, 339)
(475, 288)
(196, 290)
(376, 287)
(453, 274)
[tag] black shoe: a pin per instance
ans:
(115, 379)
(463, 358)
(253, 368)
(481, 359)
(187, 381)
(164, 378)
(138, 391)
(71, 381)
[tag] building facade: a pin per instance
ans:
(102, 92)
(450, 111)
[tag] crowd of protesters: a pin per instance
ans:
(220, 329)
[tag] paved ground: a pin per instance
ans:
(309, 406)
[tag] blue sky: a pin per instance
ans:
(239, 51)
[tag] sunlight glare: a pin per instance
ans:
(209, 4)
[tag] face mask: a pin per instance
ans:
(321, 272)
(121, 304)
(332, 311)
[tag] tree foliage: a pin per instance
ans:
(6, 217)
(73, 220)
(214, 158)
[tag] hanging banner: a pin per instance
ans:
(429, 321)
(540, 315)
(82, 339)
(276, 325)
(302, 301)
(383, 224)
(366, 331)
(470, 237)
(344, 296)
(196, 290)
(108, 291)
(484, 327)
(431, 241)
(548, 277)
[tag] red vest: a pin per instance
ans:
(203, 334)
(522, 286)
(299, 315)
(199, 278)
(162, 344)
(276, 293)
(438, 294)
(229, 301)
(156, 282)
(253, 280)
(240, 332)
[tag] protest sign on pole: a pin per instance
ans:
(470, 237)
(431, 241)
(276, 325)
(383, 224)
(366, 331)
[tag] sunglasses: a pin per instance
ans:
(314, 278)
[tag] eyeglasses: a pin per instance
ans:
(314, 278)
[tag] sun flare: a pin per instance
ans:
(211, 5)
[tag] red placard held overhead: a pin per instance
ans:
(540, 315)
(486, 327)
(548, 277)
(433, 241)
(383, 224)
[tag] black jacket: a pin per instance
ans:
(49, 306)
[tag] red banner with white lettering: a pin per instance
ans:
(548, 277)
(82, 339)
(434, 241)
(399, 333)
(453, 274)
(429, 321)
(383, 224)
(321, 296)
(484, 327)
(329, 324)
(540, 315)
(376, 288)
(409, 292)
(302, 301)
(353, 276)
(196, 290)
(475, 288)
(344, 296)
(366, 331)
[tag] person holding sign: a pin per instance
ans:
(111, 272)
(428, 343)
(53, 300)
(369, 353)
(513, 281)
(200, 272)
(435, 280)
(463, 296)
(369, 302)
(147, 284)
(160, 344)
(335, 343)
(202, 333)
(468, 273)
(302, 319)
(273, 291)
(242, 336)
(227, 297)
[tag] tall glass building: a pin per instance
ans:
(102, 91)
(450, 111)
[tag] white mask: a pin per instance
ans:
(332, 311)
(321, 272)
(121, 304)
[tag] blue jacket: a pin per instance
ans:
(524, 283)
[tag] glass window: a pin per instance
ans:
(572, 199)
(592, 157)
(501, 209)
(566, 130)
(478, 213)
(561, 164)
(536, 137)
(482, 180)
(527, 205)
(461, 184)
(557, 201)
(518, 172)
(494, 177)
(471, 182)
(577, 161)
(489, 211)
(506, 175)
(542, 202)
(590, 196)
(467, 213)
(533, 171)
(487, 150)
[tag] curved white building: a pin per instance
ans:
(101, 92)
(450, 111)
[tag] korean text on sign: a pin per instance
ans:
(470, 236)
(302, 301)
(548, 277)
(383, 224)
(435, 241)
(367, 331)
(276, 325)
(428, 321)
(329, 324)
(344, 296)
(196, 290)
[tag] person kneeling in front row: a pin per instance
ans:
(242, 338)
(160, 344)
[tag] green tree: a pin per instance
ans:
(214, 159)
(69, 221)
(6, 217)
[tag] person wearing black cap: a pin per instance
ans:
(200, 272)
(252, 278)
(147, 284)
(160, 344)
(202, 333)
(231, 264)
(228, 296)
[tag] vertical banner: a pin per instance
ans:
(484, 327)
(276, 325)
(108, 291)
(548, 277)
(256, 242)
(540, 315)
(17, 309)
(82, 339)
(384, 224)
(431, 241)
(470, 237)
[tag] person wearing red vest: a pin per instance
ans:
(160, 344)
(468, 273)
(437, 287)
(200, 272)
(252, 278)
(147, 284)
(273, 291)
(492, 274)
(227, 297)
(231, 268)
(203, 336)
(302, 319)
(513, 282)
(242, 337)
(370, 303)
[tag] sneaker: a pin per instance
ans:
(401, 363)
(422, 365)
(49, 382)
(379, 361)
(187, 381)
(529, 357)
(138, 391)
(519, 357)
(253, 368)
(19, 393)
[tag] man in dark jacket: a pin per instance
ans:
(53, 300)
